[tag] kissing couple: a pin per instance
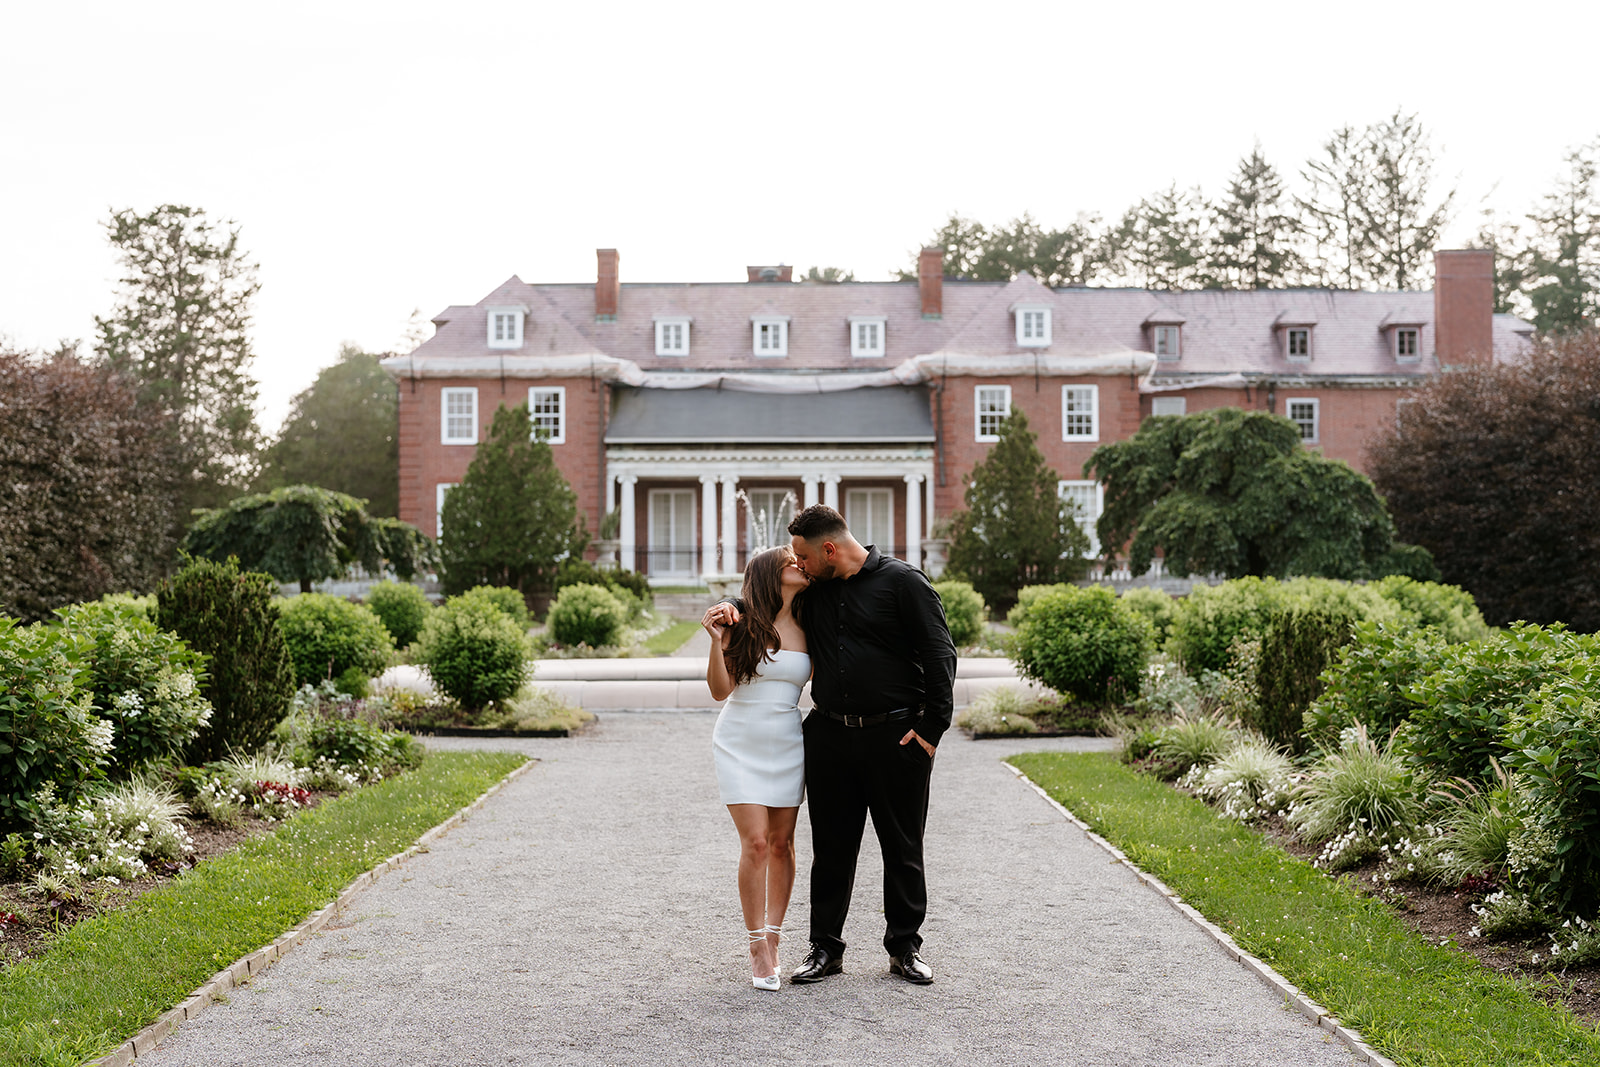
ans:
(869, 633)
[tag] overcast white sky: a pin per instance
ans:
(382, 157)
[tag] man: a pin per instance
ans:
(883, 669)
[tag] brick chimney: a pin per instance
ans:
(780, 273)
(930, 282)
(1463, 306)
(608, 285)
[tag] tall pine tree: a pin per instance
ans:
(1253, 243)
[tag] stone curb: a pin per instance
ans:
(242, 971)
(1260, 968)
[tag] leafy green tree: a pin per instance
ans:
(86, 500)
(1235, 493)
(180, 332)
(1075, 255)
(513, 517)
(828, 275)
(343, 433)
(1161, 242)
(1016, 529)
(305, 534)
(1253, 245)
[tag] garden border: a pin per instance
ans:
(1268, 976)
(246, 968)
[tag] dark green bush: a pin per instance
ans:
(401, 607)
(49, 734)
(1157, 607)
(509, 602)
(474, 652)
(1463, 706)
(1446, 608)
(964, 611)
(1298, 646)
(634, 582)
(1371, 682)
(1212, 619)
(229, 616)
(587, 615)
(357, 742)
(1082, 642)
(329, 637)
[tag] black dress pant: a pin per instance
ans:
(851, 771)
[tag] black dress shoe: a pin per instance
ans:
(912, 968)
(818, 964)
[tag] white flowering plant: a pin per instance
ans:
(1252, 780)
(114, 835)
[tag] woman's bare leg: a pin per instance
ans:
(780, 866)
(754, 859)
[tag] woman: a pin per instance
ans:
(758, 666)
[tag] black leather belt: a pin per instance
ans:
(897, 715)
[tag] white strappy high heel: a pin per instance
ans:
(768, 982)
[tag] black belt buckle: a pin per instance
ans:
(860, 720)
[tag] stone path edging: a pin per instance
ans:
(1319, 1015)
(242, 970)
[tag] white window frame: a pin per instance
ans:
(440, 491)
(687, 553)
(665, 330)
(1288, 344)
(1316, 418)
(496, 337)
(445, 396)
(1167, 341)
(778, 327)
(558, 436)
(979, 411)
(1071, 394)
(1415, 354)
(1175, 405)
(877, 329)
(1033, 333)
(868, 493)
(1086, 523)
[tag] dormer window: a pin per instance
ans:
(770, 335)
(672, 336)
(505, 327)
(1033, 327)
(1297, 344)
(1167, 342)
(1406, 349)
(868, 335)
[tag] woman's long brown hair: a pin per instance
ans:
(756, 633)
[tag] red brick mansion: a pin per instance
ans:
(665, 401)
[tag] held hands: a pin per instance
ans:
(911, 735)
(718, 618)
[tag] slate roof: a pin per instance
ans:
(668, 416)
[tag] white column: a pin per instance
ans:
(914, 520)
(830, 490)
(730, 525)
(626, 533)
(810, 482)
(708, 524)
(933, 492)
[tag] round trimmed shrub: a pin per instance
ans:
(229, 615)
(587, 615)
(401, 607)
(1157, 607)
(329, 637)
(509, 602)
(1446, 608)
(1212, 619)
(964, 611)
(1082, 642)
(473, 652)
(1026, 596)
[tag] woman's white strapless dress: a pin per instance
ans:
(760, 753)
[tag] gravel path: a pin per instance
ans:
(587, 915)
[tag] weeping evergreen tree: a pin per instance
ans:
(1016, 529)
(513, 517)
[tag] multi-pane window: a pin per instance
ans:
(1169, 405)
(1297, 342)
(672, 337)
(1087, 499)
(1306, 415)
(1033, 327)
(547, 407)
(993, 403)
(870, 515)
(867, 337)
(1167, 341)
(1080, 412)
(505, 327)
(771, 337)
(1405, 344)
(672, 547)
(459, 417)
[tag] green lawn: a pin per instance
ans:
(109, 976)
(667, 641)
(1416, 1002)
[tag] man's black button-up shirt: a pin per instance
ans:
(878, 642)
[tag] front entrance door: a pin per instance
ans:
(870, 515)
(672, 550)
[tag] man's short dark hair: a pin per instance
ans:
(819, 522)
